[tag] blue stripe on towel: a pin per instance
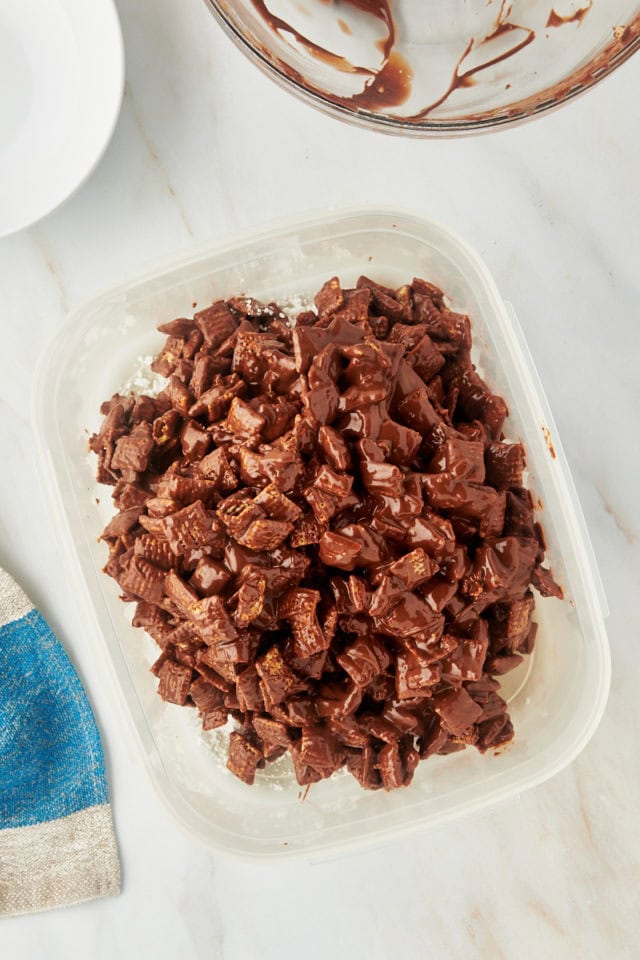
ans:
(51, 760)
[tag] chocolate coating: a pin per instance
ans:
(325, 531)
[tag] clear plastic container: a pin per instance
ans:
(556, 698)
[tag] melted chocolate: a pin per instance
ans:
(557, 20)
(390, 87)
(282, 26)
(325, 531)
(465, 79)
(382, 10)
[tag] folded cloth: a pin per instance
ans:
(57, 845)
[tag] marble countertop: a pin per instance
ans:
(206, 145)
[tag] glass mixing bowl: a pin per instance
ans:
(429, 67)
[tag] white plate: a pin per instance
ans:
(61, 81)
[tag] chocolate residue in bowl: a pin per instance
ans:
(576, 16)
(465, 79)
(378, 8)
(390, 86)
(281, 26)
(382, 10)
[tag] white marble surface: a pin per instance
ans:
(206, 145)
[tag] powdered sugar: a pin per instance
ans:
(144, 380)
(294, 304)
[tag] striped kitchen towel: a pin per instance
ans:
(57, 845)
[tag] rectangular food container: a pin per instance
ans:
(556, 698)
